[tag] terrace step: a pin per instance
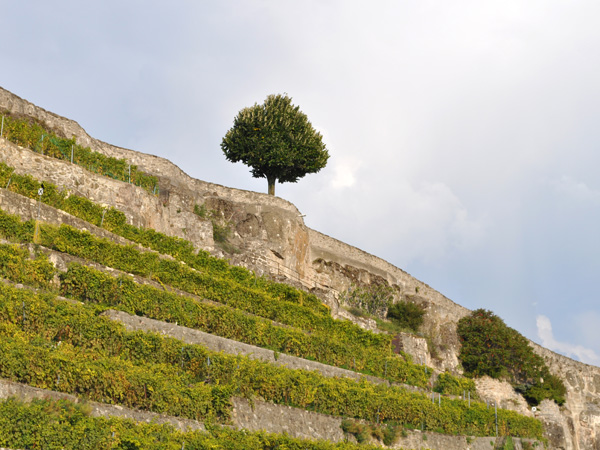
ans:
(257, 416)
(220, 344)
(266, 417)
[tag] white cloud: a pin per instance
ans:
(344, 171)
(544, 331)
(576, 190)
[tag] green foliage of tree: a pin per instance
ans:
(407, 315)
(490, 347)
(276, 140)
(547, 386)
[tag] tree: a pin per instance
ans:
(276, 140)
(490, 347)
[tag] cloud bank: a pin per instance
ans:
(544, 331)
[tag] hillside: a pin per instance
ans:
(137, 291)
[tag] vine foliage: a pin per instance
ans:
(35, 135)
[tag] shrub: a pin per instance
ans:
(221, 231)
(359, 430)
(407, 315)
(551, 387)
(181, 249)
(89, 285)
(508, 444)
(325, 343)
(372, 298)
(201, 211)
(449, 384)
(363, 431)
(490, 347)
(390, 432)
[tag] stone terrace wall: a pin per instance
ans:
(27, 393)
(140, 207)
(261, 416)
(220, 344)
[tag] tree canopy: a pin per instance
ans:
(490, 347)
(276, 140)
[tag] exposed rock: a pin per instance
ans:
(501, 393)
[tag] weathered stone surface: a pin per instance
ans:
(501, 393)
(418, 441)
(579, 418)
(140, 207)
(414, 346)
(285, 419)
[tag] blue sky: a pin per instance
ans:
(463, 135)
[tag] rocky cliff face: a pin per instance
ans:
(268, 235)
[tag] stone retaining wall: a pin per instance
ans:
(141, 208)
(220, 344)
(259, 416)
(27, 393)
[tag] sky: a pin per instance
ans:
(463, 136)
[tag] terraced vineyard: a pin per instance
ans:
(56, 335)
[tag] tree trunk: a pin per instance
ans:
(271, 181)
